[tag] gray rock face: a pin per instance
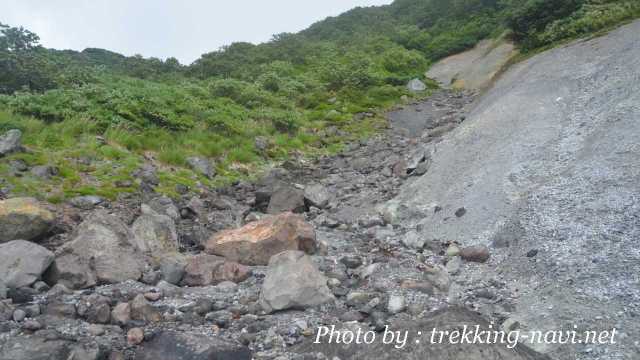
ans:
(286, 198)
(202, 165)
(23, 262)
(23, 218)
(71, 270)
(10, 142)
(35, 348)
(416, 85)
(88, 202)
(446, 320)
(170, 345)
(104, 242)
(293, 282)
(154, 233)
(317, 195)
(549, 159)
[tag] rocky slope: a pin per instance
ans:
(546, 168)
(512, 211)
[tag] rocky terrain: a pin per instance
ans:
(467, 210)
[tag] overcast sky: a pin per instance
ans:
(162, 28)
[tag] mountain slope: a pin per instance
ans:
(548, 161)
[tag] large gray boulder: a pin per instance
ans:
(22, 263)
(104, 243)
(286, 198)
(10, 142)
(154, 233)
(172, 345)
(293, 282)
(419, 347)
(23, 218)
(71, 270)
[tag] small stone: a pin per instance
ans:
(121, 314)
(396, 304)
(477, 253)
(460, 212)
(31, 325)
(532, 253)
(351, 261)
(95, 330)
(453, 250)
(19, 315)
(454, 265)
(142, 310)
(135, 336)
(152, 296)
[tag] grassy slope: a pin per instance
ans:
(303, 93)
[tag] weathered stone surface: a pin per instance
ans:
(23, 218)
(477, 253)
(170, 345)
(10, 142)
(255, 243)
(200, 268)
(154, 233)
(286, 198)
(172, 269)
(88, 202)
(104, 242)
(317, 195)
(231, 271)
(293, 282)
(444, 320)
(416, 85)
(71, 270)
(23, 262)
(202, 165)
(35, 348)
(142, 310)
(121, 314)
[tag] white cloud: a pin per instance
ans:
(163, 28)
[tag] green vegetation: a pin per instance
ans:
(96, 114)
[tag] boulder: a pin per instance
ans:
(71, 270)
(35, 348)
(172, 269)
(171, 345)
(22, 263)
(415, 85)
(293, 282)
(142, 310)
(165, 206)
(443, 320)
(10, 142)
(316, 195)
(88, 202)
(286, 198)
(154, 233)
(256, 242)
(204, 270)
(23, 218)
(202, 166)
(105, 243)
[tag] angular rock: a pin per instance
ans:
(200, 269)
(154, 233)
(202, 165)
(286, 198)
(172, 345)
(121, 314)
(413, 240)
(23, 218)
(71, 271)
(104, 242)
(135, 336)
(88, 202)
(34, 348)
(165, 206)
(10, 142)
(172, 270)
(45, 171)
(142, 310)
(415, 85)
(316, 195)
(255, 243)
(293, 282)
(231, 271)
(22, 263)
(476, 253)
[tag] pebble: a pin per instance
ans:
(135, 336)
(477, 253)
(396, 304)
(19, 315)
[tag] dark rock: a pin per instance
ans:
(461, 212)
(477, 253)
(317, 195)
(351, 261)
(286, 198)
(170, 345)
(532, 253)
